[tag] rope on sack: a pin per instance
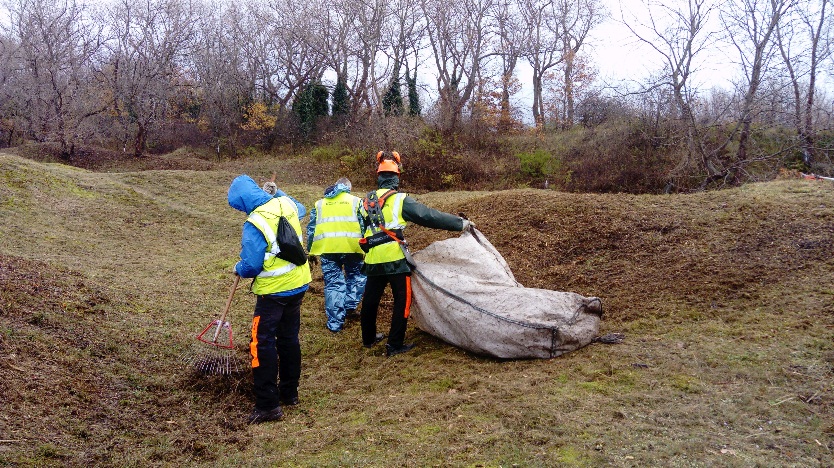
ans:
(473, 306)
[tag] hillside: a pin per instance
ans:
(725, 300)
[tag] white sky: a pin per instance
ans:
(622, 60)
(621, 56)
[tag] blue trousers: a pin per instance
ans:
(344, 285)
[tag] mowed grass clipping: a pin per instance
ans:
(726, 301)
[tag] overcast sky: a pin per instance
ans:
(622, 60)
(620, 56)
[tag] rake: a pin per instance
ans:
(216, 351)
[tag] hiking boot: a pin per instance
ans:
(379, 337)
(258, 416)
(351, 314)
(289, 401)
(391, 351)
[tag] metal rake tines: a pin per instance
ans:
(214, 364)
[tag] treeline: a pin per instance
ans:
(436, 79)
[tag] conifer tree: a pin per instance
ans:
(392, 102)
(309, 105)
(341, 99)
(413, 98)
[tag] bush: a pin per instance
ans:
(538, 163)
(619, 157)
(330, 152)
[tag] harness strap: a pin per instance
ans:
(373, 206)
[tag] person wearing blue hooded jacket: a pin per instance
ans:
(279, 287)
(333, 233)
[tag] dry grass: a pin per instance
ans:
(725, 299)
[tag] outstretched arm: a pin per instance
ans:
(418, 213)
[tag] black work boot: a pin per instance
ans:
(379, 337)
(391, 351)
(292, 401)
(258, 416)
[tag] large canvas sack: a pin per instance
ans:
(465, 294)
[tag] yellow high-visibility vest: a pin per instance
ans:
(278, 274)
(392, 211)
(337, 227)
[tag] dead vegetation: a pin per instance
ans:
(724, 298)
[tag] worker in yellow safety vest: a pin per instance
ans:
(333, 234)
(279, 286)
(385, 213)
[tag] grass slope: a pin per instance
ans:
(725, 299)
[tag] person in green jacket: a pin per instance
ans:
(384, 215)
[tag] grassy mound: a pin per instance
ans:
(724, 299)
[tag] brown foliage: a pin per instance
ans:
(619, 158)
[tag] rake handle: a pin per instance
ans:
(226, 309)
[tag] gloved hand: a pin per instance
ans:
(313, 259)
(468, 225)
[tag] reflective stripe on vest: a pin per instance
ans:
(272, 248)
(392, 211)
(337, 226)
(277, 275)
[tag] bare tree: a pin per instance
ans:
(751, 25)
(509, 45)
(406, 31)
(542, 29)
(8, 66)
(282, 48)
(369, 21)
(458, 33)
(578, 18)
(149, 40)
(679, 35)
(339, 45)
(807, 28)
(53, 45)
(218, 62)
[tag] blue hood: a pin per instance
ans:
(245, 195)
(335, 189)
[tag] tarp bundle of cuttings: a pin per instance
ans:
(465, 294)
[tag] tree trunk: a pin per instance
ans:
(538, 107)
(140, 141)
(569, 99)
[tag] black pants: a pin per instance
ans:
(275, 349)
(374, 288)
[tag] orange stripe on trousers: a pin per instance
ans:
(253, 345)
(407, 296)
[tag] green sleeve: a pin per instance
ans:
(417, 213)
